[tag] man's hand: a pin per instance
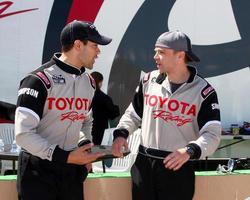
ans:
(176, 159)
(83, 155)
(120, 145)
(89, 166)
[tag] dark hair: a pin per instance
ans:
(68, 47)
(98, 77)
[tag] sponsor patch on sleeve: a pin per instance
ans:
(42, 76)
(28, 91)
(215, 106)
(206, 91)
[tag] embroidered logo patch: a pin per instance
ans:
(44, 79)
(28, 91)
(207, 91)
(58, 79)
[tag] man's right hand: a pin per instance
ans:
(120, 145)
(83, 155)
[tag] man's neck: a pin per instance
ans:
(180, 75)
(70, 60)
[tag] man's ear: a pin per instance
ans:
(77, 44)
(181, 55)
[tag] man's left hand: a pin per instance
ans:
(175, 160)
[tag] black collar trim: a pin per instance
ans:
(160, 78)
(66, 67)
(193, 73)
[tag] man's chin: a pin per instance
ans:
(89, 67)
(161, 70)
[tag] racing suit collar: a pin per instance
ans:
(193, 73)
(66, 67)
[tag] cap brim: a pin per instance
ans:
(100, 39)
(192, 57)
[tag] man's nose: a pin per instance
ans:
(98, 50)
(156, 56)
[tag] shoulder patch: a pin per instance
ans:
(42, 76)
(206, 91)
(146, 77)
(92, 81)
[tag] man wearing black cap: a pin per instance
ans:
(179, 116)
(53, 115)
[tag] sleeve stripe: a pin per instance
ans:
(29, 111)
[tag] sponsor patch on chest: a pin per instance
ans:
(171, 110)
(58, 79)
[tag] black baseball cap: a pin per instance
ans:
(82, 30)
(177, 41)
